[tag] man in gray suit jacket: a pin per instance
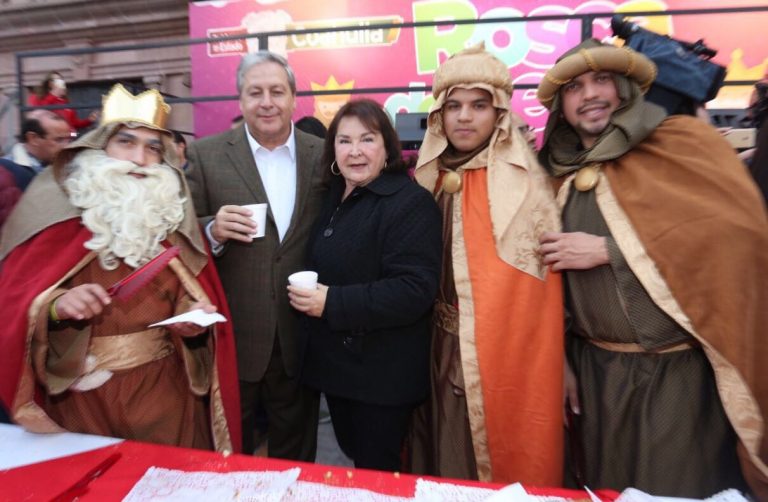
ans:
(264, 160)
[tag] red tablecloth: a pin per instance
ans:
(44, 480)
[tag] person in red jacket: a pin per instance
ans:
(53, 91)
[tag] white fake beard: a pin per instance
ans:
(128, 216)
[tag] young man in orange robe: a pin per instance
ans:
(495, 412)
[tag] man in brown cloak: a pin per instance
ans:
(664, 252)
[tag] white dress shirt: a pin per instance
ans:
(277, 169)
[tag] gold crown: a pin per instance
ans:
(147, 108)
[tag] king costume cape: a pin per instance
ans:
(41, 247)
(495, 412)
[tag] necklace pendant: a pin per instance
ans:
(587, 178)
(451, 182)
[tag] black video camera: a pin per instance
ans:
(686, 76)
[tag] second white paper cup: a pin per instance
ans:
(305, 279)
(259, 216)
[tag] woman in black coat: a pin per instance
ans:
(377, 245)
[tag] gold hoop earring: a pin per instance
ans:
(338, 171)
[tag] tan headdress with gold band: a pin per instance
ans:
(474, 65)
(621, 60)
(630, 123)
(472, 68)
(517, 185)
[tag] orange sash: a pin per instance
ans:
(518, 335)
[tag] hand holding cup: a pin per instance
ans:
(305, 279)
(306, 294)
(236, 223)
(259, 217)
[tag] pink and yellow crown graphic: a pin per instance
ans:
(333, 85)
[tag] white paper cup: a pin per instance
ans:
(259, 216)
(305, 279)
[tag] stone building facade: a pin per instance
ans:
(45, 25)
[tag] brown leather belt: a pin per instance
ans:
(636, 347)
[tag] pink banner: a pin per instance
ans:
(401, 57)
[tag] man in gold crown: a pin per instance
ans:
(495, 412)
(77, 359)
(664, 251)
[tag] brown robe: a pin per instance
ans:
(496, 403)
(160, 401)
(692, 228)
(444, 446)
(650, 437)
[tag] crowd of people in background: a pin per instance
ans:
(586, 313)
